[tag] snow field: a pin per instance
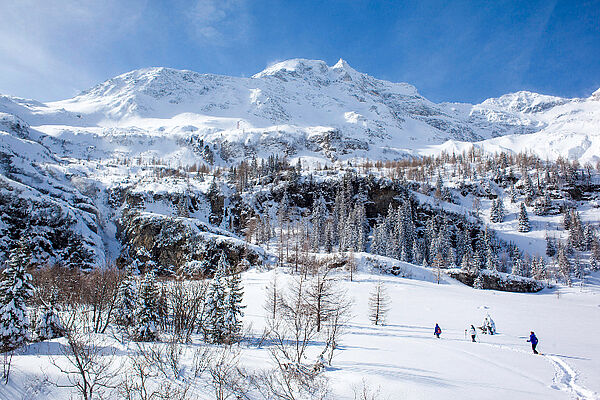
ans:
(402, 359)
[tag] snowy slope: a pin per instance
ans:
(306, 108)
(402, 358)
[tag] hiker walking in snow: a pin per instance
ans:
(473, 333)
(437, 331)
(534, 341)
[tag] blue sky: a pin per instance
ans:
(450, 50)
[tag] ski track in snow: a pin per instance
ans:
(565, 376)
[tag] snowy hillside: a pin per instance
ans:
(303, 108)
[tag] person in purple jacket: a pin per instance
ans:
(437, 331)
(534, 341)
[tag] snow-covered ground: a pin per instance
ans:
(403, 358)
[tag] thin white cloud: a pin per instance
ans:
(47, 48)
(219, 22)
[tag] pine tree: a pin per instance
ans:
(524, 219)
(147, 313)
(566, 222)
(319, 213)
(550, 246)
(564, 265)
(492, 259)
(513, 195)
(215, 303)
(127, 302)
(494, 211)
(478, 282)
(467, 264)
(15, 290)
(541, 205)
(576, 233)
(595, 255)
(519, 266)
(540, 272)
(233, 308)
(500, 211)
(529, 189)
(329, 235)
(378, 304)
(48, 325)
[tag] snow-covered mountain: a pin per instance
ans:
(302, 108)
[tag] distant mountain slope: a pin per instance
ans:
(303, 108)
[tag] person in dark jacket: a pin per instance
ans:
(437, 331)
(534, 341)
(473, 333)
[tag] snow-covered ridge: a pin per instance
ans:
(305, 108)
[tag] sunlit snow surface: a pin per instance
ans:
(403, 358)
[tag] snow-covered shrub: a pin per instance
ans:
(48, 324)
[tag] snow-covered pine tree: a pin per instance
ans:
(416, 253)
(233, 307)
(478, 282)
(378, 304)
(215, 303)
(541, 205)
(576, 233)
(467, 263)
(589, 234)
(378, 243)
(494, 211)
(550, 246)
(127, 302)
(408, 232)
(595, 255)
(523, 219)
(15, 290)
(329, 235)
(513, 195)
(48, 325)
(361, 226)
(540, 272)
(147, 311)
(529, 189)
(77, 255)
(500, 211)
(564, 264)
(319, 213)
(566, 222)
(491, 262)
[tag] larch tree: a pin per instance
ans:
(379, 303)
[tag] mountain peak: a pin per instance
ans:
(294, 66)
(342, 64)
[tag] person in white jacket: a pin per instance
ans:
(473, 332)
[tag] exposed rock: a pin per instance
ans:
(498, 281)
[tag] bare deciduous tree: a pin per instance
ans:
(378, 304)
(90, 367)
